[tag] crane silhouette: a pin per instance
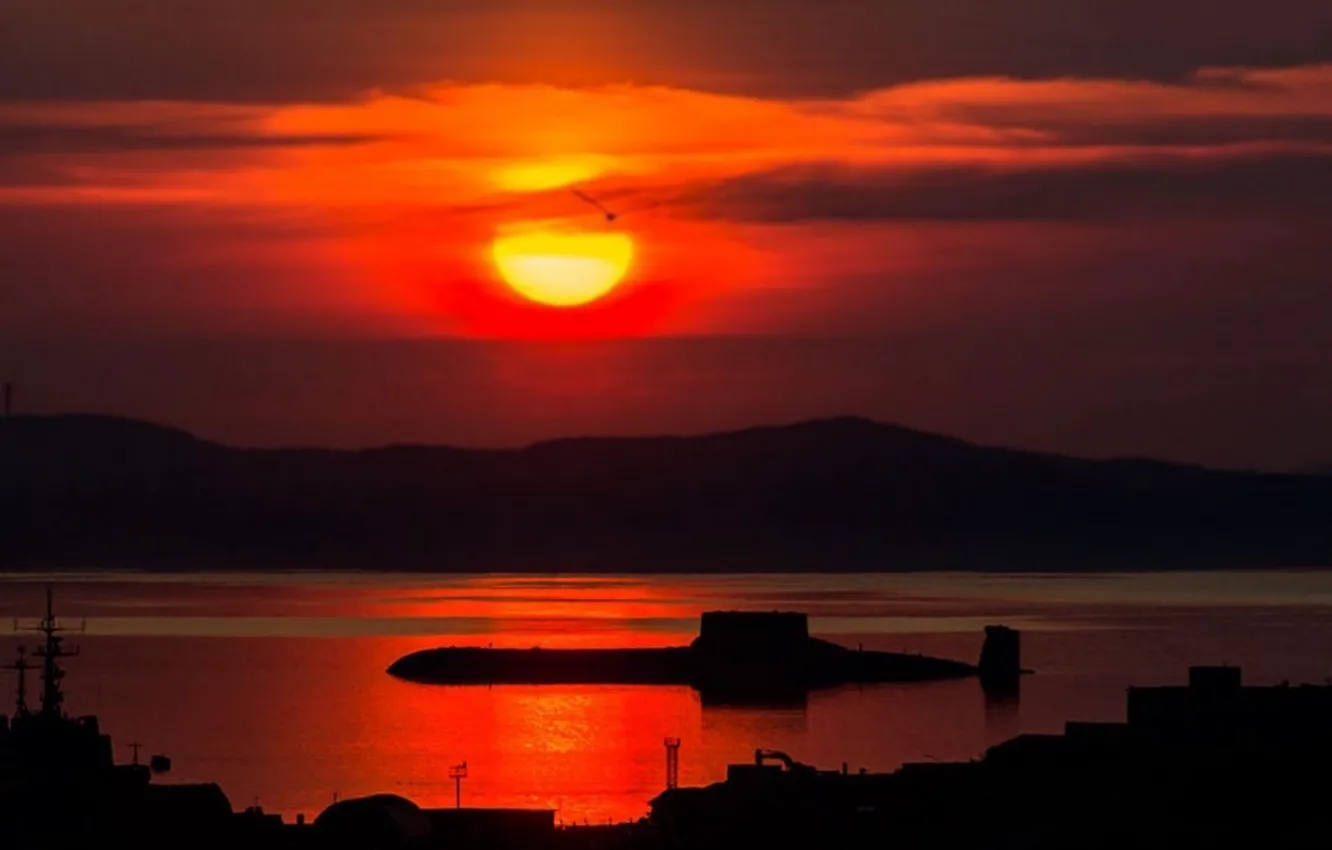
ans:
(611, 215)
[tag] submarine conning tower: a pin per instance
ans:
(752, 632)
(1000, 666)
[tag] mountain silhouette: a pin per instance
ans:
(831, 495)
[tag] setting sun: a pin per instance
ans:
(563, 269)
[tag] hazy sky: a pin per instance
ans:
(1079, 225)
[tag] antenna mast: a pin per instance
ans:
(21, 666)
(458, 773)
(672, 763)
(51, 652)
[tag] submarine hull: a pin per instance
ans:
(675, 666)
(467, 666)
(808, 665)
(737, 653)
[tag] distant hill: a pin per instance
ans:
(832, 495)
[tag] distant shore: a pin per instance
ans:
(840, 495)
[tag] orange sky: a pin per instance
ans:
(1132, 195)
(399, 197)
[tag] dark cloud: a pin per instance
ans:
(1273, 183)
(24, 172)
(273, 50)
(1172, 131)
(19, 140)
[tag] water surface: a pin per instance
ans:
(274, 685)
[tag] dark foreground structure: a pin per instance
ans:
(61, 789)
(1210, 764)
(1213, 764)
(59, 783)
(738, 655)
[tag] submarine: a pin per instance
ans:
(736, 653)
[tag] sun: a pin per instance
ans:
(563, 269)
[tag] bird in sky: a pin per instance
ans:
(611, 216)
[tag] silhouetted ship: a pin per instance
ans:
(737, 654)
(59, 782)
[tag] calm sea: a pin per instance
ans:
(274, 685)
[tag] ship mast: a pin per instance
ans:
(51, 652)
